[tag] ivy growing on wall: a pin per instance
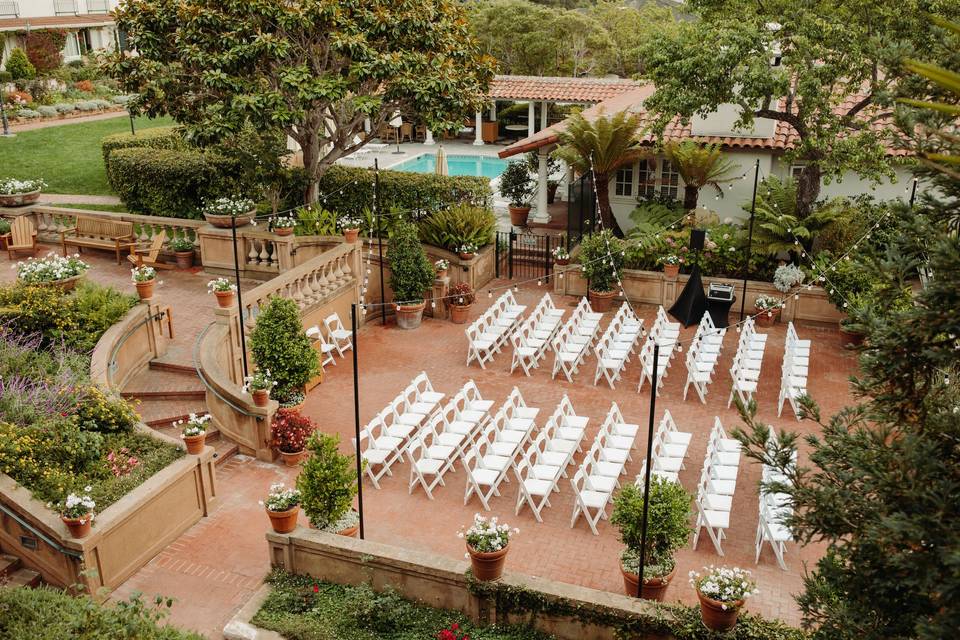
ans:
(45, 48)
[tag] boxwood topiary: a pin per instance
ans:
(411, 272)
(327, 481)
(279, 344)
(153, 137)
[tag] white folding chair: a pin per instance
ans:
(771, 529)
(533, 491)
(482, 482)
(341, 338)
(587, 499)
(325, 348)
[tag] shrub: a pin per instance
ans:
(290, 430)
(668, 519)
(516, 184)
(399, 190)
(153, 138)
(29, 114)
(458, 225)
(596, 254)
(327, 481)
(84, 85)
(21, 98)
(103, 412)
(461, 294)
(103, 104)
(88, 105)
(315, 221)
(47, 111)
(122, 99)
(169, 182)
(4, 226)
(19, 66)
(411, 273)
(6, 76)
(65, 107)
(279, 344)
(44, 48)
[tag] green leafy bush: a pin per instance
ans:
(280, 345)
(411, 273)
(47, 613)
(103, 412)
(458, 225)
(327, 481)
(171, 182)
(350, 190)
(596, 253)
(668, 525)
(19, 66)
(152, 138)
(315, 221)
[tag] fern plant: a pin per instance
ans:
(460, 224)
(777, 227)
(315, 221)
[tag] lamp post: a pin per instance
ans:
(913, 192)
(396, 121)
(646, 475)
(236, 273)
(753, 211)
(133, 131)
(356, 414)
(376, 222)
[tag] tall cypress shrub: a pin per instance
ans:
(280, 345)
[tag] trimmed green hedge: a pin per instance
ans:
(153, 138)
(398, 190)
(173, 183)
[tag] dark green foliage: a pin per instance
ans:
(47, 613)
(460, 224)
(401, 190)
(668, 523)
(153, 138)
(327, 481)
(411, 273)
(96, 309)
(597, 252)
(516, 184)
(171, 183)
(279, 345)
(19, 66)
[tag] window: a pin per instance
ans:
(648, 178)
(624, 186)
(796, 170)
(71, 48)
(669, 180)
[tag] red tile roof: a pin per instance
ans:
(56, 22)
(553, 89)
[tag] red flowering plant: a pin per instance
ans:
(290, 430)
(121, 462)
(452, 633)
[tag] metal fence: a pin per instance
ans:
(525, 255)
(581, 209)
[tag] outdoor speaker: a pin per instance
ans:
(697, 237)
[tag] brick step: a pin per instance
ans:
(195, 394)
(224, 449)
(22, 578)
(8, 564)
(175, 367)
(163, 383)
(161, 412)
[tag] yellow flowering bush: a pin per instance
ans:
(99, 411)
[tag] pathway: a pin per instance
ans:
(54, 199)
(57, 122)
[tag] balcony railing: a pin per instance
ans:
(65, 7)
(9, 10)
(98, 6)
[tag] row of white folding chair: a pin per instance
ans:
(774, 508)
(483, 341)
(665, 331)
(590, 496)
(488, 461)
(701, 362)
(668, 451)
(616, 344)
(718, 482)
(324, 348)
(646, 361)
(378, 450)
(745, 371)
(796, 365)
(570, 347)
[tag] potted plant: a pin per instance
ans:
(77, 513)
(194, 432)
(327, 484)
(17, 193)
(561, 256)
(289, 433)
(227, 212)
(182, 247)
(410, 274)
(144, 278)
(283, 225)
(786, 277)
(601, 259)
(722, 592)
(487, 544)
(768, 310)
(224, 290)
(441, 266)
(517, 187)
(668, 528)
(53, 271)
(467, 251)
(461, 297)
(259, 386)
(283, 506)
(350, 226)
(279, 345)
(671, 265)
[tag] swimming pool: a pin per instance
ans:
(459, 165)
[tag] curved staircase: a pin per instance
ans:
(14, 574)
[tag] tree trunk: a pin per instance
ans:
(690, 196)
(808, 189)
(603, 200)
(311, 163)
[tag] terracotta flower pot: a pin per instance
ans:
(601, 301)
(78, 527)
(224, 299)
(145, 289)
(467, 256)
(487, 566)
(284, 521)
(653, 588)
(195, 443)
(459, 313)
(350, 532)
(410, 316)
(351, 235)
(519, 215)
(441, 274)
(293, 459)
(562, 262)
(261, 397)
(767, 318)
(671, 271)
(19, 199)
(283, 231)
(226, 222)
(718, 616)
(184, 259)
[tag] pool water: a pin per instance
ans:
(459, 165)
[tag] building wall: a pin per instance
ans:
(47, 8)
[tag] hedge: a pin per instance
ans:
(154, 138)
(168, 182)
(398, 190)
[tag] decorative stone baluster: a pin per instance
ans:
(310, 295)
(264, 252)
(254, 253)
(347, 271)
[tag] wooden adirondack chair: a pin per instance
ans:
(148, 253)
(23, 237)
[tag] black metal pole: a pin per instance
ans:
(753, 210)
(133, 131)
(646, 477)
(236, 273)
(913, 192)
(376, 213)
(356, 413)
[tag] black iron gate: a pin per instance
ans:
(581, 209)
(525, 255)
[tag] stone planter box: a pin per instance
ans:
(19, 199)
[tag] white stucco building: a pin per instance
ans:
(88, 24)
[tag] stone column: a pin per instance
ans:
(543, 115)
(541, 215)
(428, 139)
(493, 111)
(531, 118)
(478, 130)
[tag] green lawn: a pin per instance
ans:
(67, 157)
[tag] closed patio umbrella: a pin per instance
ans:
(442, 169)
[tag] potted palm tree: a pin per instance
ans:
(668, 528)
(699, 166)
(327, 484)
(517, 186)
(411, 273)
(601, 260)
(601, 145)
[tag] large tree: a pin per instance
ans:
(829, 70)
(316, 69)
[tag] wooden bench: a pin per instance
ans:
(99, 233)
